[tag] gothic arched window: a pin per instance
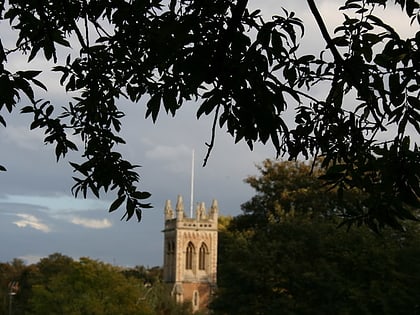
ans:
(189, 256)
(202, 257)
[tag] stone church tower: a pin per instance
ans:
(190, 253)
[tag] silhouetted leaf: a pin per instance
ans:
(117, 203)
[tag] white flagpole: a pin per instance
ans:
(192, 185)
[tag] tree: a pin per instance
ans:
(289, 188)
(12, 273)
(57, 284)
(244, 70)
(85, 287)
(279, 259)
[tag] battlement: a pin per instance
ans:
(204, 219)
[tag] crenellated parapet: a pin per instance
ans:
(204, 218)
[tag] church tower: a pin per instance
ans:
(190, 253)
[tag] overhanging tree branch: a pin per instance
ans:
(330, 44)
(213, 136)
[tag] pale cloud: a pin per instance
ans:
(176, 159)
(24, 138)
(28, 220)
(165, 152)
(56, 204)
(31, 259)
(91, 223)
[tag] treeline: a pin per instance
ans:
(59, 285)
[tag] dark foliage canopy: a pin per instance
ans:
(244, 70)
(286, 254)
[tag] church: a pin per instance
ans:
(190, 253)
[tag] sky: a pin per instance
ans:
(39, 216)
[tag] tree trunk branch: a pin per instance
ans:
(315, 12)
